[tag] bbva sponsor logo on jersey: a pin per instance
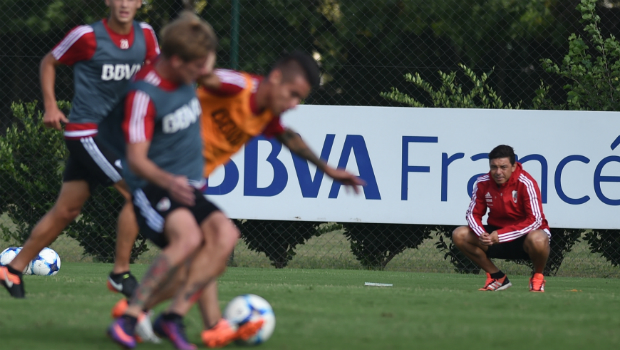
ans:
(182, 117)
(118, 71)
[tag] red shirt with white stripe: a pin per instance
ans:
(515, 206)
(80, 45)
(139, 120)
(232, 83)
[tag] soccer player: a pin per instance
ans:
(104, 55)
(238, 106)
(517, 228)
(156, 129)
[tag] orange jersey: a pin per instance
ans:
(228, 121)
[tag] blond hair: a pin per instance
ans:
(189, 37)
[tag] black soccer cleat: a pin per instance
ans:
(124, 283)
(13, 282)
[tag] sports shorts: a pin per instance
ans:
(152, 204)
(508, 250)
(92, 162)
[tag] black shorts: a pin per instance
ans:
(91, 162)
(508, 250)
(152, 204)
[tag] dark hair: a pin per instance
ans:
(503, 151)
(288, 63)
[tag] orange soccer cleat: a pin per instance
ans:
(537, 283)
(223, 333)
(495, 285)
(119, 308)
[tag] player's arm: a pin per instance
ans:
(477, 209)
(53, 115)
(297, 145)
(78, 45)
(138, 127)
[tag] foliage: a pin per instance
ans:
(277, 239)
(31, 164)
(592, 65)
(605, 242)
(451, 94)
(461, 263)
(375, 245)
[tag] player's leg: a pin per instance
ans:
(72, 196)
(536, 245)
(183, 236)
(120, 279)
(466, 240)
(220, 236)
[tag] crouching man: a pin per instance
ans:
(517, 228)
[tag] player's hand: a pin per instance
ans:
(181, 191)
(489, 239)
(485, 239)
(346, 178)
(53, 117)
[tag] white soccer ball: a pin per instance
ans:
(47, 263)
(9, 254)
(250, 307)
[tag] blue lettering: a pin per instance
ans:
(406, 168)
(558, 179)
(231, 178)
(358, 145)
(472, 180)
(544, 169)
(250, 171)
(598, 179)
(309, 187)
(445, 162)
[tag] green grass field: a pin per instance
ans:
(332, 309)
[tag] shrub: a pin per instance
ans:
(277, 239)
(461, 263)
(32, 160)
(451, 94)
(375, 245)
(605, 242)
(592, 66)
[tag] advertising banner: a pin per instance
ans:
(420, 165)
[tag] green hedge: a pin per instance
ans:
(32, 159)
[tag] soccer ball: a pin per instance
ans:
(47, 263)
(9, 254)
(250, 307)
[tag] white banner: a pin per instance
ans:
(420, 165)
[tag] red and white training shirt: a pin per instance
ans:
(515, 206)
(79, 47)
(80, 43)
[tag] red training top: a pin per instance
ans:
(514, 206)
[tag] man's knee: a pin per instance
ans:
(461, 235)
(66, 213)
(537, 240)
(220, 232)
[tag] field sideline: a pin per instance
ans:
(331, 309)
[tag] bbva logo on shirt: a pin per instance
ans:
(182, 118)
(118, 71)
